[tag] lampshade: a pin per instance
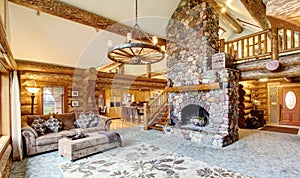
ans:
(32, 90)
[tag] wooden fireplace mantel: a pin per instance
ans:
(209, 86)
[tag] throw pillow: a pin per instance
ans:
(53, 124)
(39, 125)
(94, 122)
(83, 121)
(30, 118)
(67, 119)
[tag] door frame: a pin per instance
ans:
(278, 97)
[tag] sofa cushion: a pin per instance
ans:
(48, 139)
(39, 125)
(92, 129)
(67, 119)
(53, 124)
(83, 121)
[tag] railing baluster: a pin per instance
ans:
(259, 44)
(242, 48)
(284, 39)
(292, 39)
(265, 43)
(298, 39)
(253, 46)
(248, 47)
(242, 51)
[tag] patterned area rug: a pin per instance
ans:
(142, 160)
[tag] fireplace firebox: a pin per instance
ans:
(194, 117)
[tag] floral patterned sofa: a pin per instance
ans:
(42, 132)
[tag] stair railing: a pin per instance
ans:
(259, 45)
(153, 108)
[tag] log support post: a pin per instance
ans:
(148, 74)
(274, 49)
(222, 45)
(146, 116)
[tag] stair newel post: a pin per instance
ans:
(146, 116)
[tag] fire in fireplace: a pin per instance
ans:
(194, 117)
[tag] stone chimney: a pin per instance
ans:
(192, 41)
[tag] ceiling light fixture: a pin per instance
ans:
(134, 50)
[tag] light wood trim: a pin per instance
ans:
(211, 86)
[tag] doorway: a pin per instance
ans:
(289, 105)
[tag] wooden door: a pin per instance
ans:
(289, 98)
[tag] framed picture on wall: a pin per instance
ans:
(75, 93)
(75, 103)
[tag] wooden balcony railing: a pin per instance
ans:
(260, 45)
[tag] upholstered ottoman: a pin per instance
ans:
(93, 143)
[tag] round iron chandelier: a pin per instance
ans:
(135, 50)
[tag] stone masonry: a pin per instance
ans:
(192, 40)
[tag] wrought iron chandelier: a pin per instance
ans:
(135, 50)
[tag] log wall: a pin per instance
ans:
(256, 97)
(88, 82)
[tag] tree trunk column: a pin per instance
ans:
(274, 50)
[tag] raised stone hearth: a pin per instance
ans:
(193, 40)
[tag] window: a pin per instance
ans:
(53, 99)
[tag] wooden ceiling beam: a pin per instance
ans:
(257, 9)
(110, 66)
(66, 11)
(226, 17)
(284, 14)
(155, 74)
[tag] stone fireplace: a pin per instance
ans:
(206, 89)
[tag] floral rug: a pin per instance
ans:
(142, 160)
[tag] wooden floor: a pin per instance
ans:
(118, 124)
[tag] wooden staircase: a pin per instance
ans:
(156, 112)
(161, 120)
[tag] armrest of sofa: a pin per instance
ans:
(26, 127)
(105, 122)
(29, 135)
(29, 129)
